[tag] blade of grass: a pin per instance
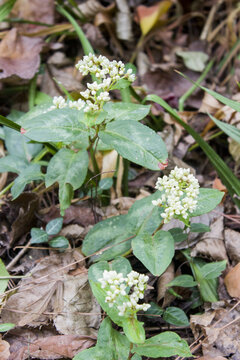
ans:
(6, 8)
(228, 129)
(228, 178)
(188, 93)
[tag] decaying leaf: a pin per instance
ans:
(220, 328)
(193, 60)
(232, 243)
(54, 347)
(52, 289)
(149, 16)
(232, 282)
(212, 244)
(211, 358)
(123, 21)
(4, 350)
(164, 279)
(19, 55)
(34, 11)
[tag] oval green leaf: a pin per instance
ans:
(155, 252)
(175, 316)
(135, 142)
(54, 226)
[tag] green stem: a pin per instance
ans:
(40, 155)
(8, 187)
(188, 93)
(194, 146)
(126, 97)
(130, 353)
(32, 92)
(94, 162)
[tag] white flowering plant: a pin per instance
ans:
(67, 133)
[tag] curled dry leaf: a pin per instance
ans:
(212, 244)
(91, 8)
(4, 350)
(54, 347)
(232, 244)
(232, 282)
(164, 279)
(123, 21)
(19, 55)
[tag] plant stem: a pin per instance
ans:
(94, 162)
(130, 353)
(8, 187)
(40, 155)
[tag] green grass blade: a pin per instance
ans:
(228, 178)
(6, 8)
(87, 47)
(9, 123)
(228, 129)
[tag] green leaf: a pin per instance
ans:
(154, 310)
(18, 145)
(207, 200)
(36, 111)
(13, 164)
(54, 226)
(230, 130)
(3, 282)
(136, 357)
(135, 142)
(57, 125)
(69, 169)
(198, 227)
(121, 265)
(59, 242)
(126, 111)
(6, 327)
(165, 344)
(113, 341)
(121, 84)
(6, 8)
(31, 173)
(38, 236)
(175, 316)
(134, 330)
(95, 273)
(105, 184)
(213, 270)
(194, 60)
(143, 216)
(155, 252)
(178, 234)
(96, 353)
(226, 175)
(183, 281)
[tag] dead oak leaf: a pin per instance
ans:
(19, 55)
(54, 347)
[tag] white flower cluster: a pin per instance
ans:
(60, 103)
(108, 72)
(116, 285)
(180, 192)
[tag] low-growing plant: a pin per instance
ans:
(120, 290)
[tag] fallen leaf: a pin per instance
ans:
(33, 11)
(232, 243)
(109, 163)
(19, 55)
(212, 244)
(54, 347)
(211, 358)
(217, 184)
(4, 350)
(149, 16)
(194, 60)
(232, 282)
(45, 291)
(123, 21)
(163, 280)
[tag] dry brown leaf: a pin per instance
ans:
(220, 328)
(211, 358)
(34, 11)
(94, 35)
(3, 176)
(19, 55)
(217, 184)
(109, 163)
(123, 21)
(232, 243)
(209, 104)
(212, 244)
(232, 282)
(164, 279)
(52, 289)
(4, 350)
(54, 347)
